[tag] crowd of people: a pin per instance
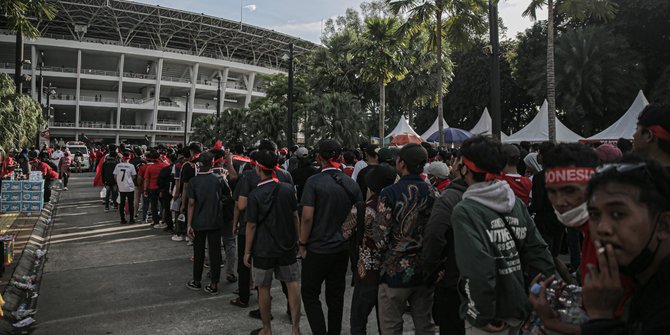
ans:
(473, 240)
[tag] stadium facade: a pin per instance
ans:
(125, 71)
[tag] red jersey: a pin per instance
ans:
(47, 172)
(7, 166)
(520, 185)
(151, 174)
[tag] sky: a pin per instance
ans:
(304, 18)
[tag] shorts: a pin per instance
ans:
(284, 269)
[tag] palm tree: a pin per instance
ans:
(382, 50)
(465, 17)
(19, 14)
(579, 10)
(335, 115)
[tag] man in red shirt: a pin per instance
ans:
(47, 172)
(8, 164)
(151, 189)
(520, 185)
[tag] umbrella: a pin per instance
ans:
(405, 138)
(451, 135)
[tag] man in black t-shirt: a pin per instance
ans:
(206, 193)
(188, 171)
(303, 171)
(272, 238)
(372, 158)
(245, 184)
(327, 200)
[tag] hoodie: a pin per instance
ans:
(492, 266)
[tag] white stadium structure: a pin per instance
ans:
(123, 71)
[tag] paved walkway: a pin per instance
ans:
(105, 278)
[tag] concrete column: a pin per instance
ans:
(191, 101)
(77, 93)
(120, 93)
(250, 88)
(34, 85)
(224, 82)
(118, 139)
(157, 93)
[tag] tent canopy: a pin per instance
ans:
(625, 126)
(537, 130)
(485, 125)
(402, 127)
(435, 127)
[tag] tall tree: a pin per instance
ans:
(464, 19)
(382, 47)
(579, 10)
(335, 115)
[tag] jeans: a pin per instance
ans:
(145, 207)
(111, 193)
(66, 178)
(362, 303)
(331, 268)
(243, 272)
(201, 240)
(166, 213)
(393, 303)
(445, 311)
(126, 196)
(153, 200)
(231, 254)
(136, 201)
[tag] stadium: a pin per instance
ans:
(121, 71)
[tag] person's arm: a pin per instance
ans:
(242, 203)
(191, 207)
(250, 231)
(382, 229)
(296, 223)
(435, 234)
(236, 218)
(305, 228)
(477, 268)
(232, 174)
(184, 198)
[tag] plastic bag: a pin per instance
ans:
(103, 193)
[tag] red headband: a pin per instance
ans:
(334, 163)
(660, 132)
(471, 166)
(273, 169)
(568, 176)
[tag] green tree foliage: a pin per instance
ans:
(20, 116)
(335, 115)
(20, 12)
(231, 128)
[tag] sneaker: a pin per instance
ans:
(194, 285)
(160, 226)
(177, 238)
(106, 209)
(189, 242)
(213, 291)
(188, 239)
(149, 220)
(65, 188)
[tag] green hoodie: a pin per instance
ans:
(491, 266)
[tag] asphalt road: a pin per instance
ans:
(105, 278)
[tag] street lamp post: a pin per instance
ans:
(41, 64)
(50, 91)
(218, 97)
(495, 69)
(188, 96)
(289, 126)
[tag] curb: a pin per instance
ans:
(29, 265)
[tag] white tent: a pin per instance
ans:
(625, 126)
(401, 128)
(435, 127)
(485, 125)
(538, 130)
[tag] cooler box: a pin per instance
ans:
(32, 196)
(10, 196)
(31, 206)
(11, 185)
(33, 185)
(10, 207)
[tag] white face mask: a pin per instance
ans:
(574, 217)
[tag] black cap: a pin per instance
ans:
(330, 149)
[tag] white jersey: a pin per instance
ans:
(124, 173)
(360, 165)
(56, 156)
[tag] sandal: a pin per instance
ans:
(239, 303)
(256, 331)
(231, 278)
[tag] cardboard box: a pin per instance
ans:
(10, 207)
(31, 206)
(32, 185)
(32, 196)
(11, 185)
(10, 196)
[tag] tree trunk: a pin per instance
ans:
(440, 108)
(18, 65)
(382, 104)
(551, 76)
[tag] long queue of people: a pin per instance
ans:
(470, 240)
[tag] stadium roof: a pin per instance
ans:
(133, 24)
